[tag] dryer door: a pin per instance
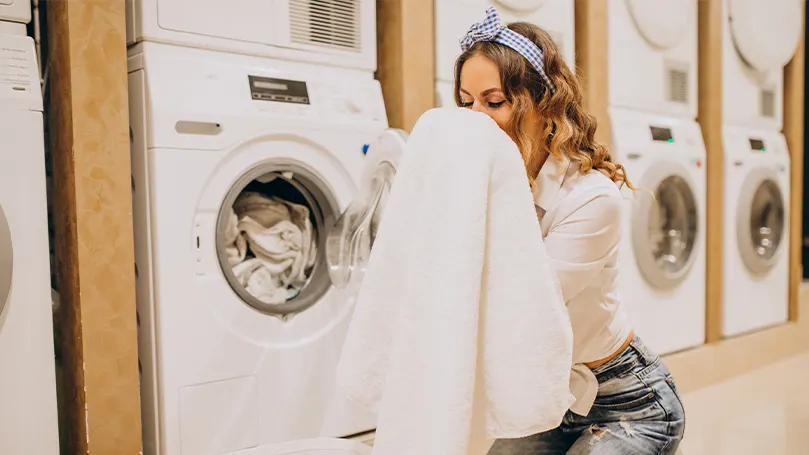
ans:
(663, 23)
(349, 241)
(765, 33)
(522, 6)
(6, 261)
(760, 227)
(664, 227)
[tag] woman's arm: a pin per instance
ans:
(581, 244)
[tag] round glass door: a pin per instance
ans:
(760, 223)
(664, 227)
(271, 235)
(350, 240)
(6, 261)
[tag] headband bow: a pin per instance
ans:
(491, 30)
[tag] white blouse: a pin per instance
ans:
(580, 216)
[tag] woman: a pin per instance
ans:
(626, 400)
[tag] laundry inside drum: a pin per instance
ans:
(271, 240)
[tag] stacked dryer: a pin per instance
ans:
(454, 17)
(28, 415)
(653, 107)
(759, 39)
(250, 126)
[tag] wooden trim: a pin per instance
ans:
(711, 364)
(709, 116)
(406, 59)
(89, 137)
(793, 130)
(591, 61)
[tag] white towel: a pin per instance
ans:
(281, 237)
(235, 244)
(460, 334)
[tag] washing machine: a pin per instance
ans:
(759, 39)
(242, 166)
(652, 47)
(756, 230)
(17, 11)
(329, 32)
(662, 252)
(454, 17)
(28, 415)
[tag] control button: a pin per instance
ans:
(365, 148)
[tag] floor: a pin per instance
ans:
(762, 412)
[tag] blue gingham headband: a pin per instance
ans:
(491, 30)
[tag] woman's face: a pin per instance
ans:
(481, 91)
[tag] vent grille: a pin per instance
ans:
(678, 86)
(768, 103)
(333, 24)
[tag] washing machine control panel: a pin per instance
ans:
(350, 102)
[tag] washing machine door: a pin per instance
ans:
(6, 261)
(350, 240)
(663, 23)
(760, 225)
(271, 228)
(664, 225)
(765, 33)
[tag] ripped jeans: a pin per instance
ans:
(637, 412)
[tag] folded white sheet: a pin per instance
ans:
(460, 334)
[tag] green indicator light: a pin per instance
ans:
(670, 140)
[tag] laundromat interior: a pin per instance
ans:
(155, 153)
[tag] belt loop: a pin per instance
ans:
(644, 353)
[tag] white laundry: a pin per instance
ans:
(460, 335)
(235, 244)
(280, 237)
(259, 281)
(277, 247)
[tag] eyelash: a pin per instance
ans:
(491, 105)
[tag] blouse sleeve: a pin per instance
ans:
(581, 244)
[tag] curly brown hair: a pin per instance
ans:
(569, 131)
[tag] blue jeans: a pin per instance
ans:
(637, 412)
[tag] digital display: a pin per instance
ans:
(661, 134)
(757, 144)
(278, 90)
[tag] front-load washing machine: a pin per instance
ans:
(328, 32)
(662, 252)
(28, 417)
(241, 165)
(756, 230)
(759, 39)
(454, 17)
(652, 48)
